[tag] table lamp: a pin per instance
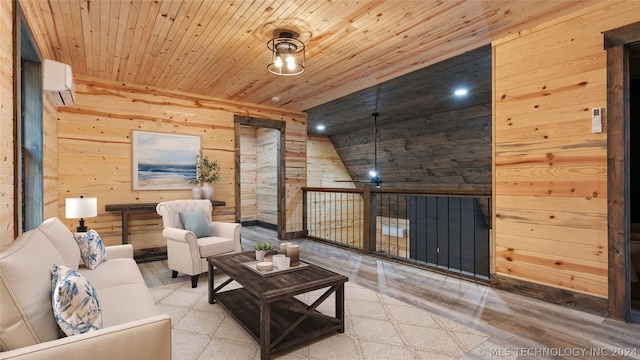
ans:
(80, 208)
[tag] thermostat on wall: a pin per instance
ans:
(596, 120)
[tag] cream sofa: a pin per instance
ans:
(132, 326)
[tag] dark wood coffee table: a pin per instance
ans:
(265, 305)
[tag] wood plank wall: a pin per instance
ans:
(94, 154)
(248, 174)
(7, 127)
(333, 217)
(550, 185)
(267, 175)
(258, 173)
(325, 165)
(395, 242)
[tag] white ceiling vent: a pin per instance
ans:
(58, 83)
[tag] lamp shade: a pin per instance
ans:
(82, 207)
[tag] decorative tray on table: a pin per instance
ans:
(252, 266)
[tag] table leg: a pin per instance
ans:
(265, 330)
(340, 306)
(212, 294)
(213, 290)
(125, 227)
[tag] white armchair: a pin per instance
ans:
(186, 253)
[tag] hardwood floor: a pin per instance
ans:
(518, 326)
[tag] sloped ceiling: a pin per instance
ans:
(418, 94)
(427, 138)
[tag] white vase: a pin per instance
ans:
(207, 191)
(260, 254)
(196, 192)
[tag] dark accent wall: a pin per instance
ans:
(427, 138)
(451, 233)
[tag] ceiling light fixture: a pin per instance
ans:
(287, 54)
(461, 92)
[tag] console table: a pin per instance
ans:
(139, 208)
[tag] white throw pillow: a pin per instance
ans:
(92, 248)
(75, 303)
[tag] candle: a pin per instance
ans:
(276, 259)
(293, 252)
(283, 247)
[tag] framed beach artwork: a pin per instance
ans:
(163, 161)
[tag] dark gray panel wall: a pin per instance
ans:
(427, 138)
(449, 232)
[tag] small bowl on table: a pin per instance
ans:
(264, 266)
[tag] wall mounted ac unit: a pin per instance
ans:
(58, 83)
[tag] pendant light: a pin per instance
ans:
(287, 54)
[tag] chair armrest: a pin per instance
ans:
(225, 229)
(228, 230)
(148, 338)
(119, 251)
(178, 234)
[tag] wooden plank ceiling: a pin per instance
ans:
(218, 47)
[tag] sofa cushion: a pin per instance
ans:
(76, 307)
(124, 303)
(113, 273)
(213, 245)
(26, 315)
(195, 221)
(92, 248)
(118, 282)
(63, 240)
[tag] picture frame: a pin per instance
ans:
(163, 161)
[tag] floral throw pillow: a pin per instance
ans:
(75, 303)
(92, 248)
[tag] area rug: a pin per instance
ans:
(376, 327)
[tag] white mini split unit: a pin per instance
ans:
(58, 83)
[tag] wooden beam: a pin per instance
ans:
(621, 36)
(618, 173)
(369, 220)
